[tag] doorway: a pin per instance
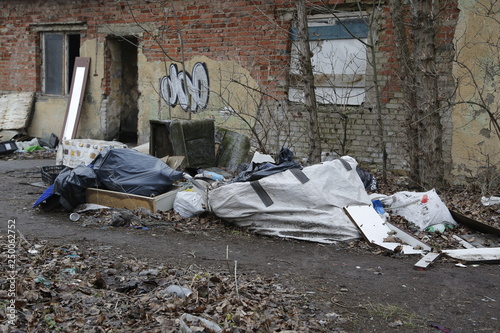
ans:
(122, 77)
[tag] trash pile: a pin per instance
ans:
(326, 203)
(66, 288)
(21, 146)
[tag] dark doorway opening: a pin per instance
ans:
(123, 107)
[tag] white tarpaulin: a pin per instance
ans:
(292, 209)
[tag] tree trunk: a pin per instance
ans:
(308, 83)
(417, 67)
(406, 73)
(430, 129)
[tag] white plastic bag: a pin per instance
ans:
(420, 208)
(188, 203)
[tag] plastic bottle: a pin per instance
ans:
(436, 228)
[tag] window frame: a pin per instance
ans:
(66, 29)
(66, 70)
(335, 88)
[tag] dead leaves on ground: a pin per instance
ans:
(68, 289)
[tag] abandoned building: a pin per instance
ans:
(236, 62)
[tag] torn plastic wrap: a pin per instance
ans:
(129, 171)
(286, 155)
(70, 185)
(369, 180)
(257, 171)
(302, 204)
(424, 209)
(189, 203)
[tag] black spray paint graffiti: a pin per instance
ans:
(172, 88)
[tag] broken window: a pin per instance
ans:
(339, 59)
(59, 50)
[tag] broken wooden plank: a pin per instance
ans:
(408, 239)
(163, 202)
(483, 254)
(375, 230)
(463, 242)
(473, 224)
(426, 260)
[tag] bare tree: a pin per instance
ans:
(308, 82)
(415, 29)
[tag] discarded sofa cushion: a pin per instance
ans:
(70, 185)
(129, 171)
(311, 210)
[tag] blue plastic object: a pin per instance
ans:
(377, 205)
(45, 195)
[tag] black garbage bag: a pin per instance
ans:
(257, 171)
(286, 155)
(70, 185)
(369, 180)
(129, 171)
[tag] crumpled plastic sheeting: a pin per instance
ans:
(312, 211)
(423, 209)
(70, 185)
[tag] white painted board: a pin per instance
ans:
(475, 255)
(375, 230)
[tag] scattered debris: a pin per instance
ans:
(490, 201)
(96, 290)
(441, 328)
(162, 202)
(464, 243)
(473, 224)
(474, 255)
(427, 260)
(301, 204)
(423, 209)
(377, 232)
(191, 324)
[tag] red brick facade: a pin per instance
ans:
(255, 34)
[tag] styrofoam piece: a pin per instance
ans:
(261, 158)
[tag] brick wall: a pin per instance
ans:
(361, 124)
(252, 33)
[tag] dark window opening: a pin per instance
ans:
(59, 52)
(73, 52)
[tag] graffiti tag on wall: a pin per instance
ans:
(173, 88)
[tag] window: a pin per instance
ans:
(59, 50)
(339, 60)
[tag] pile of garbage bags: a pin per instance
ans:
(120, 170)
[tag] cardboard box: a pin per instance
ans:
(163, 202)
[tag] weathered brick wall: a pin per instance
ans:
(361, 125)
(253, 34)
(243, 31)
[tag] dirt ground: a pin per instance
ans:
(300, 286)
